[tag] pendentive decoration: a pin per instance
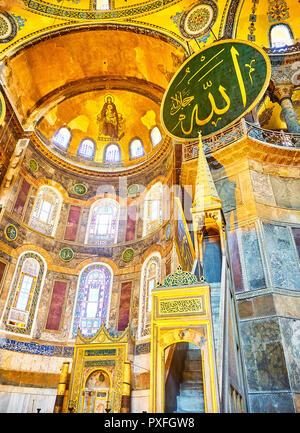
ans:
(198, 20)
(128, 255)
(11, 232)
(66, 254)
(80, 189)
(8, 28)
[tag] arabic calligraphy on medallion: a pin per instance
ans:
(214, 88)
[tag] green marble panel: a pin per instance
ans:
(264, 355)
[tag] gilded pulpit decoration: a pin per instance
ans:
(181, 305)
(111, 123)
(179, 278)
(214, 88)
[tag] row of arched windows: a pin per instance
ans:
(112, 153)
(104, 215)
(92, 303)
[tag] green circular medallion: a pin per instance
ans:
(33, 164)
(133, 189)
(80, 189)
(11, 232)
(128, 255)
(66, 254)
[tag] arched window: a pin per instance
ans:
(136, 148)
(280, 35)
(103, 224)
(156, 136)
(153, 216)
(93, 298)
(62, 138)
(46, 210)
(150, 277)
(112, 153)
(25, 289)
(86, 148)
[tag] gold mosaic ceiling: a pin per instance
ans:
(62, 57)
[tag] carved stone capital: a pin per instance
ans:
(282, 91)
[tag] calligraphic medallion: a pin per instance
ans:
(214, 88)
(80, 189)
(33, 164)
(66, 254)
(128, 255)
(11, 232)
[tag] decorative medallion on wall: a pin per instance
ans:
(11, 232)
(168, 231)
(33, 164)
(133, 189)
(8, 28)
(2, 108)
(66, 254)
(277, 11)
(128, 255)
(198, 20)
(80, 189)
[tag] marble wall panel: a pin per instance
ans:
(284, 264)
(286, 192)
(252, 257)
(124, 308)
(72, 224)
(271, 403)
(287, 306)
(264, 355)
(291, 342)
(56, 305)
(22, 197)
(296, 235)
(262, 188)
(229, 192)
(235, 261)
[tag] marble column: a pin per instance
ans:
(283, 93)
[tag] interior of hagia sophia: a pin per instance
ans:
(118, 292)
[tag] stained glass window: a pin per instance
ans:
(62, 138)
(86, 148)
(150, 277)
(280, 36)
(103, 225)
(112, 153)
(153, 208)
(92, 299)
(46, 211)
(20, 310)
(136, 148)
(156, 136)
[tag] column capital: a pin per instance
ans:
(283, 91)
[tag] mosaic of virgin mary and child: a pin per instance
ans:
(111, 123)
